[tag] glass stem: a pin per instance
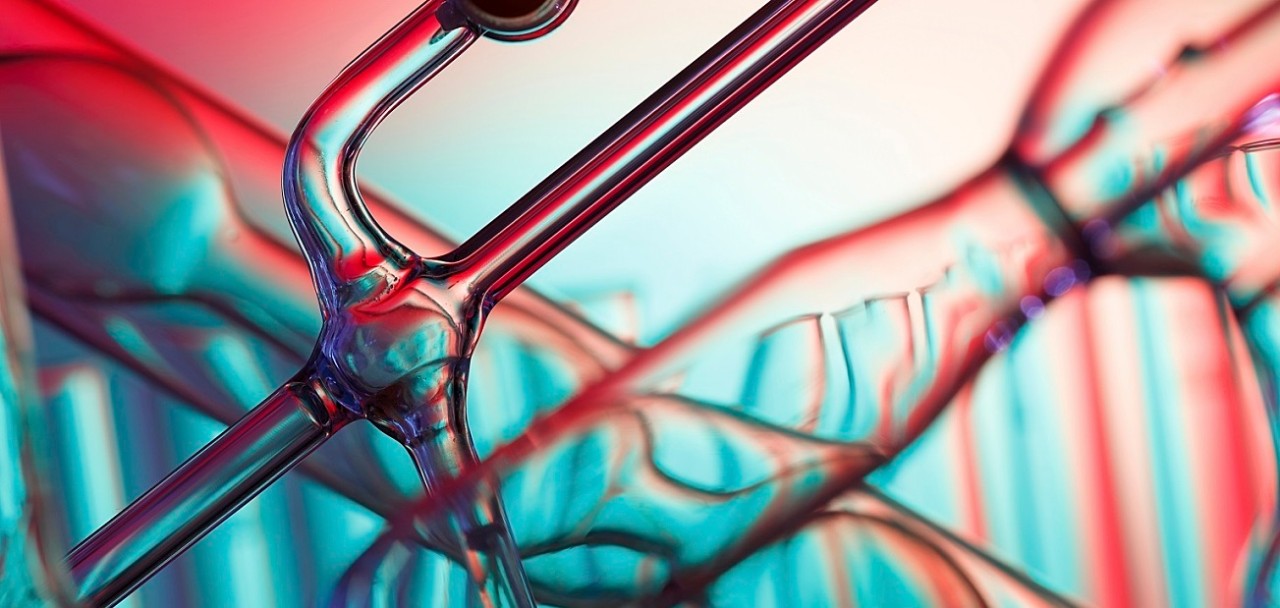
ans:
(200, 494)
(477, 522)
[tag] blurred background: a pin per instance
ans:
(1118, 454)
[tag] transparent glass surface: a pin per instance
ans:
(30, 511)
(973, 307)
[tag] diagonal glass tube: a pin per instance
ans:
(27, 578)
(210, 486)
(648, 139)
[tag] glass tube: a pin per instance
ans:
(211, 485)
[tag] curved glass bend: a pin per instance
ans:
(216, 481)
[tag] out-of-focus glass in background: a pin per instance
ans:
(1119, 453)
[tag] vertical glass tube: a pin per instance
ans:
(479, 522)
